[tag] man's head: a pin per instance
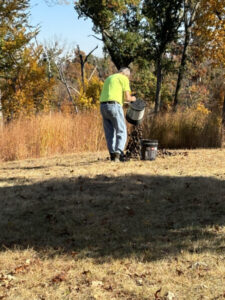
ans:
(125, 71)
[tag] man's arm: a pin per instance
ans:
(128, 97)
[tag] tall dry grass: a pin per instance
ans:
(46, 135)
(184, 129)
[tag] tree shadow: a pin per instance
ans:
(151, 217)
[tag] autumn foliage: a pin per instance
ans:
(30, 90)
(210, 28)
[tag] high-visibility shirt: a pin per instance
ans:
(114, 87)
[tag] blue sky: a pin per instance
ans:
(61, 22)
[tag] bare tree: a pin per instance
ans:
(53, 54)
(64, 81)
(83, 61)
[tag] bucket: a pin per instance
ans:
(149, 149)
(135, 112)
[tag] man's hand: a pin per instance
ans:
(129, 98)
(133, 98)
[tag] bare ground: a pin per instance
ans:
(81, 227)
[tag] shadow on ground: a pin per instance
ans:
(150, 217)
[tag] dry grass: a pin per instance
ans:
(47, 135)
(81, 227)
(185, 129)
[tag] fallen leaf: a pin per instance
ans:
(20, 269)
(25, 267)
(59, 278)
(179, 272)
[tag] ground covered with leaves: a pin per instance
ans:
(82, 227)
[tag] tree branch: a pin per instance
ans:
(96, 37)
(86, 58)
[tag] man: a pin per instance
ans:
(115, 91)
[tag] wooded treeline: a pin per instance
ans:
(175, 49)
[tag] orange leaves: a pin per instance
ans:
(210, 29)
(24, 268)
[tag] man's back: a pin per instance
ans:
(114, 88)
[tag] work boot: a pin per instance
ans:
(115, 156)
(112, 156)
(123, 157)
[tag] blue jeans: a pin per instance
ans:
(114, 126)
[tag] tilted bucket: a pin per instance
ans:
(149, 149)
(135, 112)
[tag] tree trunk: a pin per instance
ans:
(181, 69)
(223, 124)
(82, 69)
(1, 114)
(189, 19)
(159, 83)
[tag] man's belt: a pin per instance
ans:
(109, 102)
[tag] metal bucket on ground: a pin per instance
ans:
(135, 112)
(149, 149)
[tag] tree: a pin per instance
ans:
(28, 92)
(210, 31)
(164, 20)
(118, 23)
(15, 34)
(190, 9)
(132, 29)
(83, 61)
(57, 63)
(210, 35)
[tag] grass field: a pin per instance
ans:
(81, 227)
